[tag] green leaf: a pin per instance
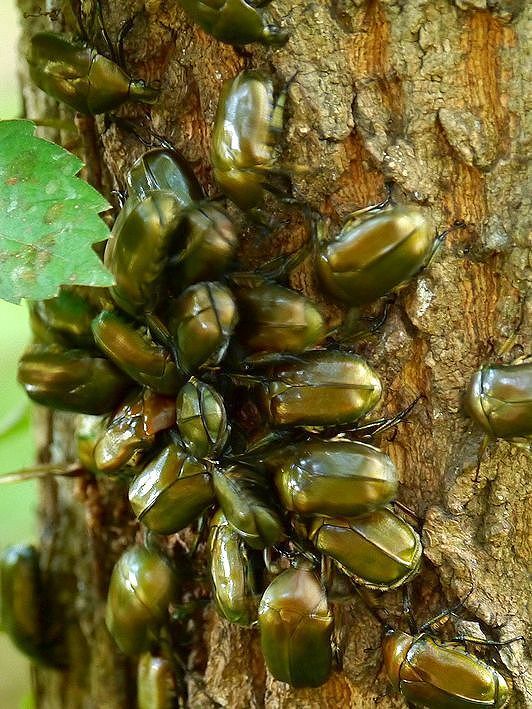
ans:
(48, 218)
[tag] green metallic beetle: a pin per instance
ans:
(156, 683)
(375, 251)
(209, 241)
(135, 353)
(144, 235)
(246, 500)
(440, 675)
(171, 491)
(201, 419)
(245, 125)
(71, 380)
(332, 478)
(64, 320)
(231, 573)
(132, 429)
(499, 400)
(295, 628)
(378, 550)
(143, 583)
(167, 170)
(234, 21)
(319, 388)
(201, 322)
(273, 318)
(82, 78)
(22, 612)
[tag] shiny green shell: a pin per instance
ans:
(64, 320)
(201, 419)
(276, 319)
(142, 240)
(246, 500)
(167, 170)
(71, 380)
(171, 491)
(499, 399)
(234, 21)
(378, 550)
(209, 241)
(80, 77)
(440, 675)
(241, 147)
(373, 255)
(143, 583)
(132, 430)
(156, 683)
(231, 572)
(135, 353)
(22, 606)
(332, 478)
(201, 322)
(295, 628)
(321, 388)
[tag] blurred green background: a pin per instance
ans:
(18, 501)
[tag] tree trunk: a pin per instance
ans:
(428, 95)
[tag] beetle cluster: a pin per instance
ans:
(206, 393)
(205, 389)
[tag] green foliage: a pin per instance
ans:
(48, 218)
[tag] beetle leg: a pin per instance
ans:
(407, 609)
(258, 3)
(463, 639)
(124, 31)
(346, 333)
(440, 238)
(278, 268)
(387, 201)
(103, 30)
(373, 428)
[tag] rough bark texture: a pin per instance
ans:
(429, 95)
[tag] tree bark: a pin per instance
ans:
(430, 96)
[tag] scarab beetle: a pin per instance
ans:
(208, 241)
(156, 683)
(295, 627)
(81, 77)
(441, 675)
(71, 380)
(143, 583)
(201, 419)
(142, 239)
(273, 318)
(374, 252)
(134, 352)
(167, 170)
(64, 320)
(132, 429)
(22, 611)
(246, 121)
(246, 500)
(332, 478)
(171, 491)
(318, 388)
(235, 21)
(201, 322)
(378, 550)
(499, 400)
(231, 572)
